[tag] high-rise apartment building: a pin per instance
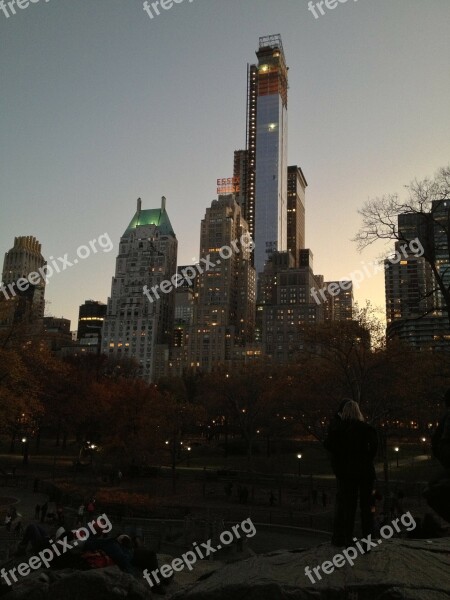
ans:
(26, 296)
(261, 168)
(296, 212)
(224, 309)
(285, 304)
(135, 326)
(338, 306)
(271, 149)
(184, 316)
(415, 307)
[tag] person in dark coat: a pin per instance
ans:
(335, 424)
(353, 447)
(44, 510)
(437, 493)
(440, 440)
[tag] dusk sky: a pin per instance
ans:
(100, 105)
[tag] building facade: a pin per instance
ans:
(285, 304)
(296, 212)
(338, 306)
(415, 308)
(91, 315)
(224, 308)
(136, 326)
(271, 150)
(25, 297)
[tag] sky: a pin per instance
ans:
(100, 105)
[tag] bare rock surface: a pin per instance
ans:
(395, 570)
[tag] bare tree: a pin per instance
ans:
(428, 204)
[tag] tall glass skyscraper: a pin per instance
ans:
(267, 146)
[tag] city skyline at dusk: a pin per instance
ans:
(103, 105)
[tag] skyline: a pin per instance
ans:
(95, 134)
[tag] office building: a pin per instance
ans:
(91, 315)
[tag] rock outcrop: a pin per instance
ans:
(397, 569)
(394, 570)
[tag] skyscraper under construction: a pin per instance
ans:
(262, 168)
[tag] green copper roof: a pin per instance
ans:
(154, 216)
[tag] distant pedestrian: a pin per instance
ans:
(440, 440)
(90, 508)
(228, 489)
(8, 521)
(324, 499)
(119, 477)
(37, 511)
(60, 514)
(18, 529)
(44, 510)
(80, 513)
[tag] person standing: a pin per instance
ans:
(90, 508)
(80, 513)
(437, 493)
(44, 510)
(353, 447)
(440, 441)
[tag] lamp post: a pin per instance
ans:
(189, 456)
(299, 457)
(397, 450)
(25, 450)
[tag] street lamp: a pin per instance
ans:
(396, 450)
(299, 456)
(424, 442)
(25, 450)
(189, 456)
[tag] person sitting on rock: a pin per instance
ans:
(119, 549)
(34, 535)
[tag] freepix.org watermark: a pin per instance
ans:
(317, 7)
(13, 4)
(350, 554)
(202, 551)
(189, 274)
(58, 548)
(152, 8)
(55, 265)
(413, 249)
